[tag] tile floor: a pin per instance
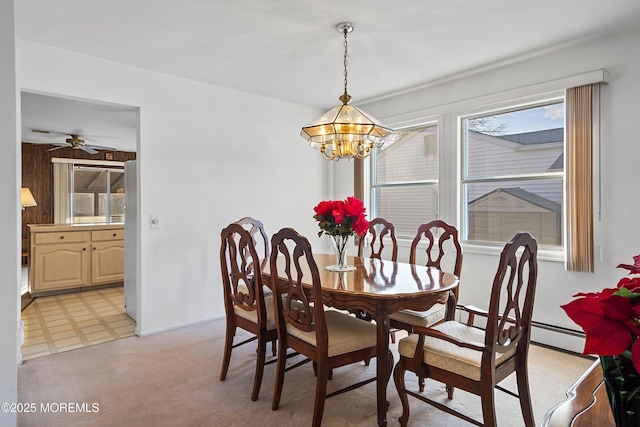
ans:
(65, 322)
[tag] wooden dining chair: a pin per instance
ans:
(476, 360)
(372, 243)
(260, 239)
(329, 339)
(441, 244)
(246, 305)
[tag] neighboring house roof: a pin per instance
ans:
(558, 165)
(538, 137)
(518, 193)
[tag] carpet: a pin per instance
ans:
(171, 379)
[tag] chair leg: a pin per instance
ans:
(273, 348)
(321, 394)
(420, 383)
(398, 379)
(393, 337)
(488, 406)
(228, 346)
(280, 368)
(522, 378)
(257, 380)
(450, 390)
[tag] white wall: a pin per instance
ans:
(9, 215)
(207, 156)
(616, 231)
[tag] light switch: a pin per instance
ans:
(155, 221)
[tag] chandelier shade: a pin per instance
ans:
(346, 131)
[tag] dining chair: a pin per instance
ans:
(476, 360)
(260, 239)
(246, 305)
(442, 246)
(329, 339)
(372, 243)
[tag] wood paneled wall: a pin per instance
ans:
(37, 176)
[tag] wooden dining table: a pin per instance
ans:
(379, 288)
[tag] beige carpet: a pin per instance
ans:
(171, 379)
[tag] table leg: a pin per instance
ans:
(383, 359)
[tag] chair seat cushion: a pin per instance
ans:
(252, 315)
(448, 356)
(346, 333)
(421, 318)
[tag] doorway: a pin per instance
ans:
(76, 131)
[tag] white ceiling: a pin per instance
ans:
(290, 49)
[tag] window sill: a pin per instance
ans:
(544, 254)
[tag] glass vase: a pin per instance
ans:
(340, 247)
(623, 388)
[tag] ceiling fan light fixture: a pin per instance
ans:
(346, 131)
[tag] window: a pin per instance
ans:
(513, 174)
(404, 180)
(91, 192)
(98, 195)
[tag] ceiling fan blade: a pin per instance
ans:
(88, 149)
(58, 147)
(100, 147)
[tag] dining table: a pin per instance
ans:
(378, 288)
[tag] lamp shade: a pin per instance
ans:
(27, 199)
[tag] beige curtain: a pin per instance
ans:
(579, 178)
(61, 192)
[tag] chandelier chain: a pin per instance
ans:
(345, 31)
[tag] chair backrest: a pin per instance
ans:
(512, 296)
(242, 286)
(291, 265)
(259, 236)
(379, 231)
(442, 243)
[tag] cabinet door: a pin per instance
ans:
(107, 262)
(60, 266)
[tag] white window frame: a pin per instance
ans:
(551, 252)
(370, 170)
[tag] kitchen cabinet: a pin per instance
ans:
(107, 256)
(67, 257)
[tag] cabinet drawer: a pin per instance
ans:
(103, 235)
(62, 237)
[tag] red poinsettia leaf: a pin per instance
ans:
(617, 307)
(607, 338)
(635, 354)
(633, 269)
(584, 311)
(632, 284)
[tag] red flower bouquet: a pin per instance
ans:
(341, 217)
(611, 318)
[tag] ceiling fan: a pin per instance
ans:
(75, 142)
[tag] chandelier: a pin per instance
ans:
(346, 131)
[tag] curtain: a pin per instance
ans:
(61, 192)
(579, 179)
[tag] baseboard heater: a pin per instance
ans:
(557, 337)
(557, 329)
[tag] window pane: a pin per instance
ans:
(83, 204)
(117, 207)
(528, 141)
(406, 206)
(497, 210)
(413, 157)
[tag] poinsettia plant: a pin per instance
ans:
(611, 318)
(341, 217)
